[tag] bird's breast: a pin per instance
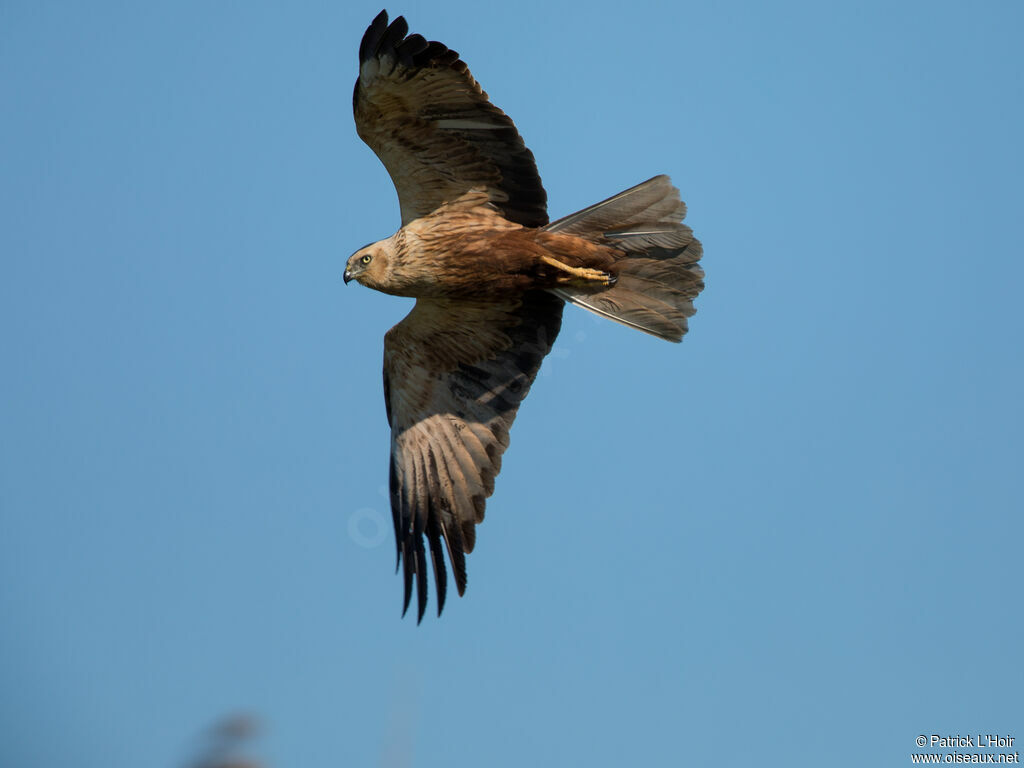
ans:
(475, 265)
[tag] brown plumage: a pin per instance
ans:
(490, 276)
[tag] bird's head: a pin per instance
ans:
(368, 265)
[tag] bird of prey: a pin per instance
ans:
(490, 276)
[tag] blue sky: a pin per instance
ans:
(794, 539)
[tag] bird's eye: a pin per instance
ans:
(366, 259)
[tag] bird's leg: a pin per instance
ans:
(584, 274)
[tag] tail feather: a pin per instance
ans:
(641, 239)
(635, 310)
(658, 273)
(653, 202)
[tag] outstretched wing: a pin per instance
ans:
(419, 108)
(455, 373)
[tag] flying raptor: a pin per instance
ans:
(490, 275)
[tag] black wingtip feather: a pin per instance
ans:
(456, 554)
(432, 51)
(437, 558)
(459, 574)
(409, 48)
(396, 504)
(421, 580)
(372, 37)
(394, 35)
(407, 561)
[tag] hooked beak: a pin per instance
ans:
(347, 277)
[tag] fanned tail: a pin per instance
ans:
(658, 273)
